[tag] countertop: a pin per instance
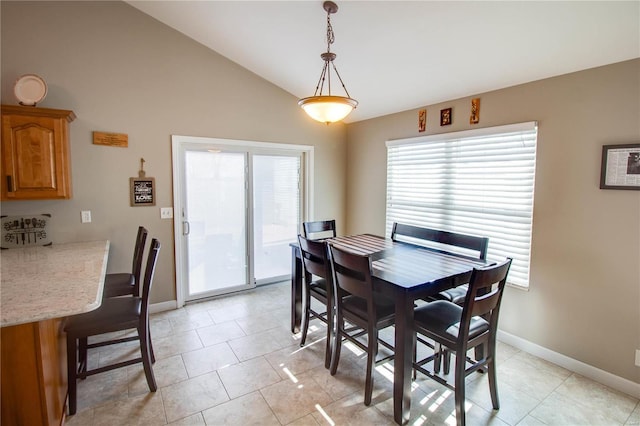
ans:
(41, 283)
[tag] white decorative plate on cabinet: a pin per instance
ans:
(30, 89)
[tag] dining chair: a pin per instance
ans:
(317, 283)
(359, 311)
(458, 329)
(319, 229)
(115, 314)
(127, 283)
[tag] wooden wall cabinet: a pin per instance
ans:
(36, 160)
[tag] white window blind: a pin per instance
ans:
(477, 182)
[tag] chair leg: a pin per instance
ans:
(327, 349)
(71, 373)
(459, 387)
(153, 355)
(414, 373)
(305, 318)
(437, 357)
(491, 371)
(337, 345)
(372, 349)
(446, 361)
(146, 359)
(82, 355)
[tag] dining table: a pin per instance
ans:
(405, 273)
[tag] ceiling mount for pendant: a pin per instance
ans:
(328, 108)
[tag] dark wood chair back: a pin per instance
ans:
(314, 257)
(152, 257)
(352, 275)
(138, 254)
(445, 240)
(319, 229)
(484, 296)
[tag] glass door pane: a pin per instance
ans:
(276, 214)
(215, 210)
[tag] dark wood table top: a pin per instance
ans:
(405, 265)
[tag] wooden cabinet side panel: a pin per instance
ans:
(52, 345)
(20, 380)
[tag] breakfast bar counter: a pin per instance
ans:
(39, 287)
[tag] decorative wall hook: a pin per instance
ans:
(141, 172)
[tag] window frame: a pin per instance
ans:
(449, 187)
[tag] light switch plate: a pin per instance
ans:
(166, 213)
(638, 357)
(85, 216)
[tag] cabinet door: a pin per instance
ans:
(36, 158)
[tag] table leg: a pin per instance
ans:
(403, 360)
(296, 289)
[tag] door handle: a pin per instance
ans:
(186, 229)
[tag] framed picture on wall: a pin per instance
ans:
(620, 167)
(445, 116)
(422, 120)
(142, 191)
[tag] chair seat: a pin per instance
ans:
(119, 284)
(112, 315)
(443, 319)
(385, 308)
(319, 287)
(455, 295)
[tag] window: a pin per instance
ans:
(477, 182)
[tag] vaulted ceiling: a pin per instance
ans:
(399, 55)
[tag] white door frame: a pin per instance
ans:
(180, 143)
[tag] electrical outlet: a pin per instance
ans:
(638, 357)
(166, 213)
(85, 216)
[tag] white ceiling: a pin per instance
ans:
(399, 55)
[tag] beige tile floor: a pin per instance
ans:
(233, 361)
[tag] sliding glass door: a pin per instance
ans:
(237, 210)
(276, 214)
(216, 233)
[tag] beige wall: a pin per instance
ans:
(122, 71)
(584, 297)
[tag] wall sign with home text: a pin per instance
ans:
(143, 191)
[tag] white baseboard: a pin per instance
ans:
(170, 305)
(611, 380)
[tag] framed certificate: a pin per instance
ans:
(620, 167)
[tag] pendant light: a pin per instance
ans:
(328, 108)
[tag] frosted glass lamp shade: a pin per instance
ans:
(328, 109)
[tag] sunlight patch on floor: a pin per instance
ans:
(289, 374)
(325, 415)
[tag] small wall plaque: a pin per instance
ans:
(120, 140)
(422, 120)
(143, 191)
(446, 116)
(25, 230)
(474, 118)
